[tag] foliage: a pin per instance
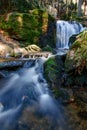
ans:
(24, 26)
(29, 28)
(72, 11)
(67, 10)
(81, 40)
(48, 48)
(17, 5)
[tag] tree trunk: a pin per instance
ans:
(67, 10)
(79, 11)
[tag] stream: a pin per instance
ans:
(27, 88)
(26, 103)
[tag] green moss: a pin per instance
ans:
(51, 69)
(23, 26)
(48, 48)
(39, 12)
(28, 27)
(81, 40)
(35, 12)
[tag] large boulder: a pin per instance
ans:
(76, 60)
(77, 55)
(53, 71)
(76, 69)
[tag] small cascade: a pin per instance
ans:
(27, 82)
(64, 31)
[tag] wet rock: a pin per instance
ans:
(11, 63)
(53, 71)
(2, 75)
(72, 39)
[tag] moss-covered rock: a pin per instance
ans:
(77, 56)
(31, 28)
(53, 72)
(76, 60)
(51, 69)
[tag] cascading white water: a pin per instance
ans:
(27, 82)
(64, 31)
(30, 83)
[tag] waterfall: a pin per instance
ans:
(64, 31)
